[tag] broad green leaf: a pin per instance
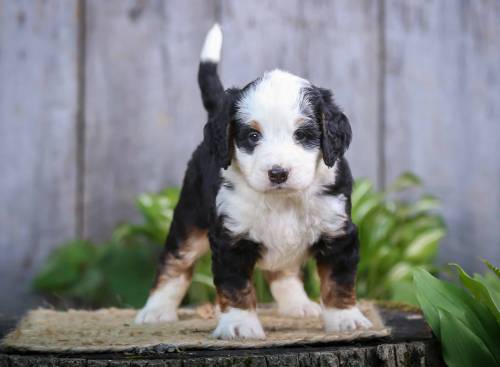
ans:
(364, 208)
(129, 272)
(426, 203)
(480, 291)
(65, 266)
(403, 291)
(425, 245)
(434, 295)
(461, 346)
(491, 281)
(361, 188)
(402, 271)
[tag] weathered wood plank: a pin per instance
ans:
(335, 44)
(38, 109)
(442, 114)
(143, 110)
(260, 36)
(341, 42)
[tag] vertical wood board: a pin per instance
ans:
(38, 108)
(442, 93)
(143, 110)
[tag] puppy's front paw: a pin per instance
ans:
(152, 315)
(337, 319)
(239, 324)
(305, 308)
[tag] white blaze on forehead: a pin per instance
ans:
(275, 99)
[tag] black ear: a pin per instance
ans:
(218, 130)
(336, 129)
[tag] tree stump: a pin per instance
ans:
(411, 343)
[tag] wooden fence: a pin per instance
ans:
(99, 102)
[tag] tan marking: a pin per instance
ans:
(256, 126)
(191, 250)
(244, 299)
(300, 121)
(333, 294)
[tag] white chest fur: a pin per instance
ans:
(286, 225)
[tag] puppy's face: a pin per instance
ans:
(276, 134)
(276, 130)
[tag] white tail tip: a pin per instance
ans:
(212, 46)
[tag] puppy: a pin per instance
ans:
(268, 186)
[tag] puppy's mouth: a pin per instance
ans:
(281, 189)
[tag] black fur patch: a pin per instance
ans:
(336, 131)
(308, 135)
(243, 137)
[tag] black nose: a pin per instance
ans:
(277, 174)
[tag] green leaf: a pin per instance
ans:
(364, 208)
(65, 266)
(491, 281)
(461, 347)
(493, 268)
(128, 270)
(426, 203)
(361, 189)
(425, 245)
(434, 295)
(480, 291)
(404, 291)
(405, 181)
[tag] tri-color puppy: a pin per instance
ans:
(268, 186)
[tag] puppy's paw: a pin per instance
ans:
(239, 324)
(344, 319)
(304, 308)
(153, 315)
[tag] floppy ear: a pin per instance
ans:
(336, 129)
(218, 131)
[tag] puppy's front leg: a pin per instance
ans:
(337, 260)
(288, 291)
(232, 264)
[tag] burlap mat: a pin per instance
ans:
(106, 330)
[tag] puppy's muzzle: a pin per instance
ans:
(277, 174)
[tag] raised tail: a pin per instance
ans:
(208, 79)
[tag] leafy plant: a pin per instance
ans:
(396, 236)
(466, 320)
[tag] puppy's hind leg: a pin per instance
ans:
(184, 246)
(288, 291)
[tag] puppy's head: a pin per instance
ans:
(277, 129)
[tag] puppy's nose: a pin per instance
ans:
(277, 174)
